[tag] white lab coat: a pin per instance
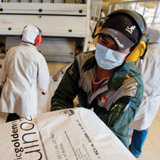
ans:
(150, 69)
(22, 69)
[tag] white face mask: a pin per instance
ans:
(107, 58)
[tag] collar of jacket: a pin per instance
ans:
(29, 44)
(90, 62)
(123, 72)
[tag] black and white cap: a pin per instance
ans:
(122, 29)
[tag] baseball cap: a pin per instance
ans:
(30, 33)
(122, 29)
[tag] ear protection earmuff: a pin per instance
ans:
(97, 28)
(139, 50)
(38, 39)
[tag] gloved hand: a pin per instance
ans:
(43, 93)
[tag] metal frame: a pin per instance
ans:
(111, 6)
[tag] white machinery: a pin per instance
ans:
(64, 25)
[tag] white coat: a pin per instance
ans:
(150, 69)
(22, 69)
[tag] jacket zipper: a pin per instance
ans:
(112, 109)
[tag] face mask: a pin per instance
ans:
(107, 58)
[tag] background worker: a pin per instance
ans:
(106, 80)
(150, 68)
(22, 69)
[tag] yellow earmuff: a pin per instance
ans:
(95, 40)
(137, 52)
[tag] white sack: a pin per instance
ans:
(71, 134)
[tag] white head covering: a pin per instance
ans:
(30, 33)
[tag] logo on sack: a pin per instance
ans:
(67, 113)
(130, 29)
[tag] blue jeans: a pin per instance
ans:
(137, 142)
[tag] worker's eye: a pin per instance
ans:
(103, 41)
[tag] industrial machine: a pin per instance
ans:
(64, 25)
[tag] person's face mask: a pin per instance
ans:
(107, 58)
